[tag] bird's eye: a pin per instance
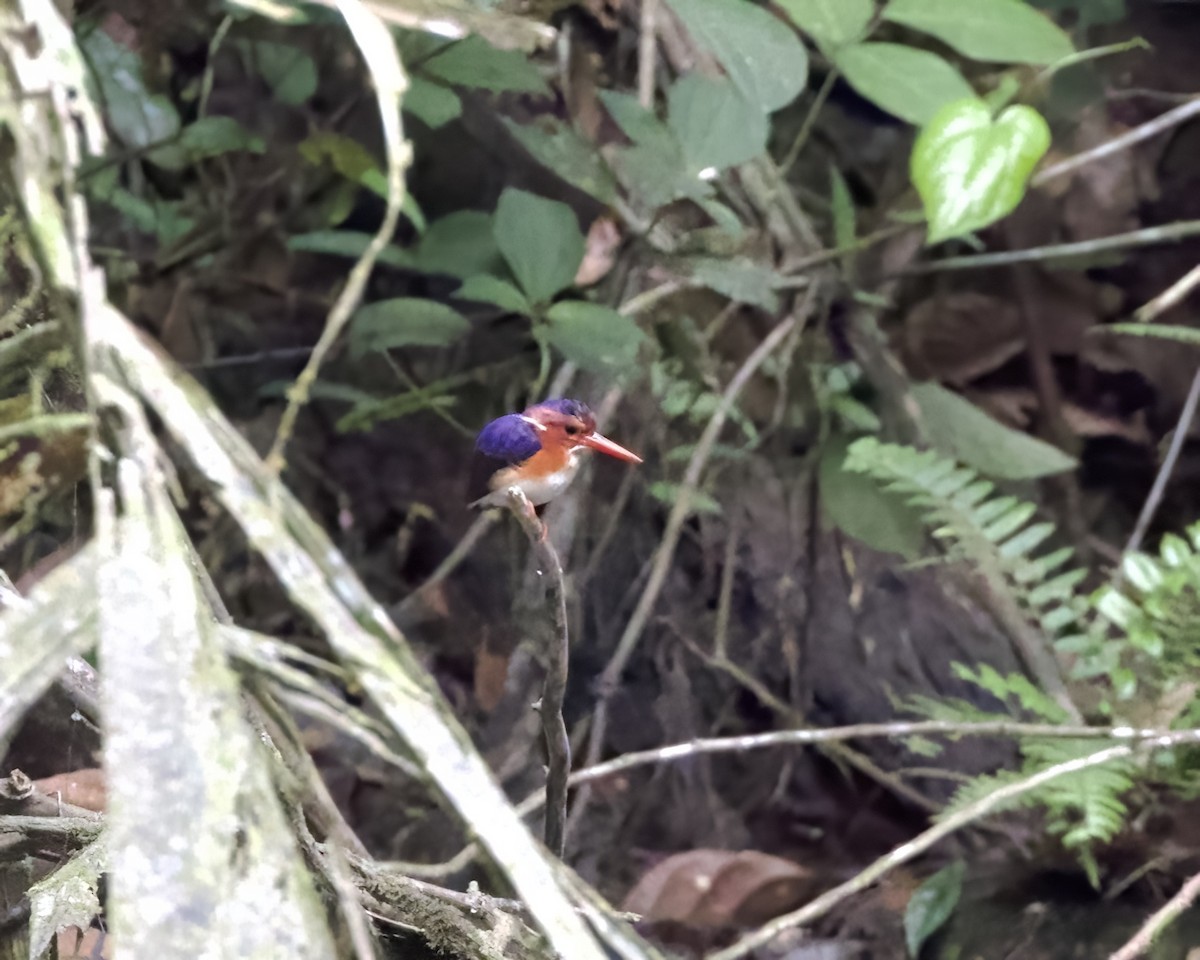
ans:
(572, 430)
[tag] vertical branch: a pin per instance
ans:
(554, 688)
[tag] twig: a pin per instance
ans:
(1147, 130)
(861, 731)
(1169, 297)
(666, 550)
(914, 848)
(1154, 498)
(390, 85)
(1058, 251)
(834, 749)
(554, 689)
(810, 121)
(1160, 920)
(453, 559)
(803, 737)
(647, 52)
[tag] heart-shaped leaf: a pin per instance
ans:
(971, 169)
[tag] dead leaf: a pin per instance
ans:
(90, 944)
(600, 251)
(720, 888)
(81, 788)
(956, 337)
(1103, 198)
(1094, 423)
(491, 677)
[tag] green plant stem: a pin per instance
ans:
(1060, 251)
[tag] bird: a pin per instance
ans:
(538, 451)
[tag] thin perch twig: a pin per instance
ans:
(1147, 130)
(554, 688)
(1160, 920)
(1172, 296)
(1166, 233)
(1150, 507)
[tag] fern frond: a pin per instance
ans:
(1157, 608)
(1082, 808)
(1013, 686)
(995, 532)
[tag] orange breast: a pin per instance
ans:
(546, 461)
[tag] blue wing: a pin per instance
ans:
(500, 444)
(509, 439)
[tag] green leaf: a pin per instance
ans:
(963, 431)
(1007, 31)
(541, 241)
(559, 148)
(912, 84)
(404, 322)
(474, 62)
(348, 157)
(931, 906)
(737, 278)
(668, 493)
(460, 244)
(501, 293)
(289, 72)
(347, 243)
(715, 125)
(213, 136)
(431, 103)
(766, 61)
(652, 170)
(971, 170)
(861, 508)
(137, 117)
(832, 23)
(842, 206)
(1087, 13)
(596, 338)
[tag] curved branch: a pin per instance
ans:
(554, 688)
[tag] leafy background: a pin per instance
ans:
(631, 227)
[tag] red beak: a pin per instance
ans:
(604, 445)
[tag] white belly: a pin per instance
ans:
(543, 489)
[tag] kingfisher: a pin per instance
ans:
(538, 451)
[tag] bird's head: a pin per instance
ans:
(570, 424)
